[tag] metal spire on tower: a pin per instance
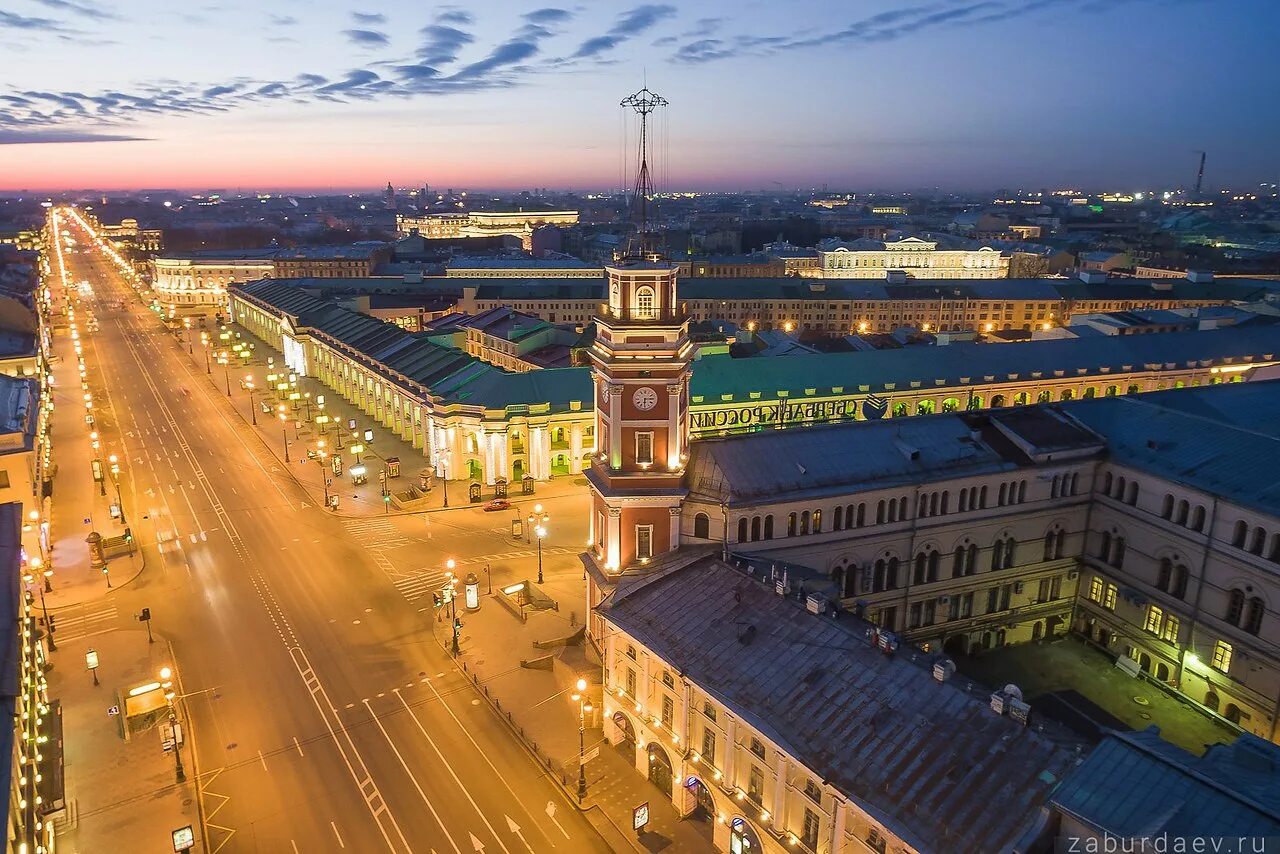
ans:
(643, 103)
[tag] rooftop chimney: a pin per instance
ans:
(1093, 277)
(895, 277)
(1200, 277)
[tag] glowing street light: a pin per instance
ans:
(584, 708)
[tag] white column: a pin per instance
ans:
(503, 441)
(487, 447)
(533, 450)
(730, 752)
(613, 540)
(675, 527)
(575, 447)
(615, 426)
(837, 827)
(673, 426)
(779, 793)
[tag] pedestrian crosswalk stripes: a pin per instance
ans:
(414, 587)
(376, 533)
(83, 624)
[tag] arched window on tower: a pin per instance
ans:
(702, 526)
(646, 305)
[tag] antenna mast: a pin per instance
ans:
(643, 103)
(1199, 175)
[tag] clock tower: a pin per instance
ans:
(640, 366)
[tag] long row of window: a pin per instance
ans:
(849, 516)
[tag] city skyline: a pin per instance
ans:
(348, 98)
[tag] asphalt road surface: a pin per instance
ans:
(325, 717)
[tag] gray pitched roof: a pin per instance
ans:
(927, 760)
(1136, 785)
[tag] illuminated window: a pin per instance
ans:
(709, 745)
(809, 835)
(644, 447)
(1109, 599)
(1154, 619)
(1170, 632)
(645, 304)
(1095, 589)
(1222, 656)
(631, 682)
(644, 542)
(668, 712)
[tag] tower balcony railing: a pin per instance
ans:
(670, 317)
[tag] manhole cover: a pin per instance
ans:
(475, 702)
(1142, 701)
(1144, 716)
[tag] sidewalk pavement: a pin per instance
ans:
(79, 505)
(122, 795)
(535, 701)
(300, 433)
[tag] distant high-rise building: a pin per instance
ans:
(389, 197)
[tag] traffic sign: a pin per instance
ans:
(640, 817)
(184, 839)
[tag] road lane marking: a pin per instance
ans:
(413, 778)
(364, 781)
(551, 814)
(498, 775)
(337, 834)
(449, 767)
(263, 760)
(373, 798)
(298, 745)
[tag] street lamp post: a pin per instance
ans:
(584, 706)
(204, 341)
(115, 480)
(165, 676)
(321, 454)
(450, 598)
(541, 532)
(253, 409)
(37, 565)
(225, 361)
(284, 431)
(536, 518)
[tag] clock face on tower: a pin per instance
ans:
(645, 398)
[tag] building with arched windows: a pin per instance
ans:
(494, 422)
(1148, 525)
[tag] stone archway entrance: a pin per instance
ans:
(704, 806)
(660, 772)
(627, 735)
(742, 837)
(956, 645)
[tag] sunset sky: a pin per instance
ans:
(859, 94)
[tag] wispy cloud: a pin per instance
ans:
(84, 10)
(44, 137)
(879, 28)
(438, 66)
(12, 21)
(367, 38)
(629, 25)
(369, 17)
